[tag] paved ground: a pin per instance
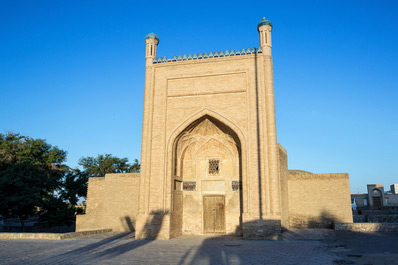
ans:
(364, 248)
(316, 246)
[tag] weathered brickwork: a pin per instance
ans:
(319, 200)
(112, 203)
(284, 179)
(51, 236)
(366, 227)
(381, 214)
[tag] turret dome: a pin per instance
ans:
(264, 21)
(152, 36)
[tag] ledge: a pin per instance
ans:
(366, 227)
(51, 236)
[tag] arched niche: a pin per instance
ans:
(206, 172)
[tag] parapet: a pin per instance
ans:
(307, 176)
(209, 55)
(122, 175)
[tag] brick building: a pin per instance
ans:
(377, 205)
(210, 160)
(376, 196)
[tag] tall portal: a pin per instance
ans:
(209, 161)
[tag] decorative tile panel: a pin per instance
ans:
(236, 185)
(189, 186)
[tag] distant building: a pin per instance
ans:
(376, 206)
(376, 196)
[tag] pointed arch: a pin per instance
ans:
(226, 125)
(200, 114)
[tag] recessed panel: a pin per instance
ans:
(213, 186)
(210, 84)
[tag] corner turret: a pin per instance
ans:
(152, 41)
(264, 28)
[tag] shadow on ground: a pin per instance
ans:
(296, 246)
(223, 249)
(364, 248)
(111, 247)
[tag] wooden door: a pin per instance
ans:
(214, 214)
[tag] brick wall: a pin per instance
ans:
(366, 227)
(112, 202)
(319, 200)
(284, 180)
(383, 214)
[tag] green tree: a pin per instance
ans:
(102, 164)
(55, 212)
(31, 170)
(135, 167)
(74, 186)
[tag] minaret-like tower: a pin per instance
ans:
(152, 41)
(265, 28)
(271, 195)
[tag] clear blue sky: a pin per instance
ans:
(72, 72)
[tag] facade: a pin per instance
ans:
(376, 206)
(376, 196)
(210, 161)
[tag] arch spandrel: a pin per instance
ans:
(190, 122)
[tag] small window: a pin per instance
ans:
(214, 167)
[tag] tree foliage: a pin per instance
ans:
(55, 212)
(30, 171)
(102, 164)
(135, 167)
(74, 185)
(34, 180)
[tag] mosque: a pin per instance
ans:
(210, 160)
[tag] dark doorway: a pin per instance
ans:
(376, 201)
